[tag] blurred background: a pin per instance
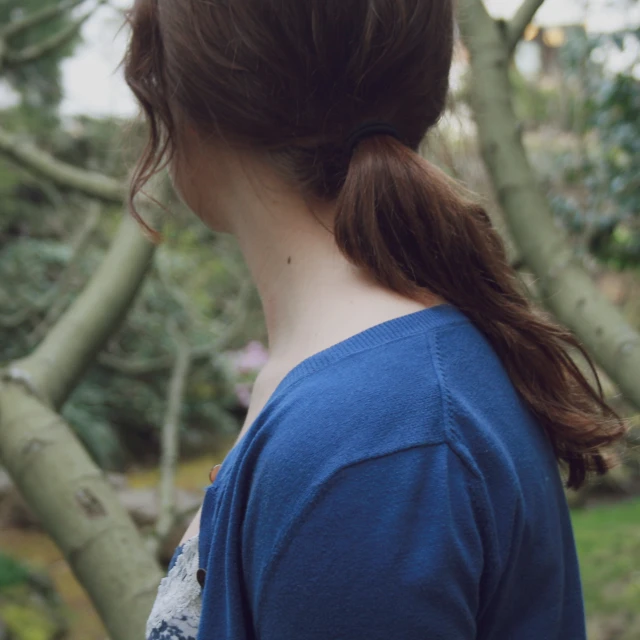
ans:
(173, 381)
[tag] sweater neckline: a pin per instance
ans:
(378, 335)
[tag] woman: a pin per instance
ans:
(397, 473)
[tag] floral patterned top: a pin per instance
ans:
(176, 612)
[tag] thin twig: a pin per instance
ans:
(227, 331)
(171, 436)
(66, 176)
(84, 328)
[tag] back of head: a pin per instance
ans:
(294, 79)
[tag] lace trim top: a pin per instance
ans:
(178, 607)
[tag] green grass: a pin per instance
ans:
(608, 539)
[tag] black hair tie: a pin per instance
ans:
(369, 130)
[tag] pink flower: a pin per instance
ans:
(250, 359)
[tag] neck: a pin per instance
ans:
(302, 278)
(312, 296)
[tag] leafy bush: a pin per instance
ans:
(12, 572)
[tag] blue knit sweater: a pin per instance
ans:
(394, 487)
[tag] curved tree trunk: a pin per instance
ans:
(566, 288)
(74, 342)
(50, 467)
(65, 489)
(79, 510)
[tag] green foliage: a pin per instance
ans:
(26, 623)
(29, 605)
(615, 171)
(39, 83)
(532, 102)
(603, 170)
(34, 207)
(12, 572)
(99, 437)
(608, 540)
(18, 194)
(109, 145)
(117, 415)
(585, 142)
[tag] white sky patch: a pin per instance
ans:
(93, 81)
(596, 15)
(8, 97)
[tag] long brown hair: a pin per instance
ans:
(294, 78)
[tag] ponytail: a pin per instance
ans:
(250, 65)
(405, 222)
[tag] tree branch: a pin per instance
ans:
(77, 507)
(32, 308)
(473, 11)
(522, 19)
(17, 27)
(90, 183)
(55, 367)
(56, 297)
(38, 51)
(564, 286)
(15, 319)
(145, 366)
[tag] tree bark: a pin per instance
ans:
(80, 511)
(67, 492)
(52, 470)
(56, 366)
(566, 288)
